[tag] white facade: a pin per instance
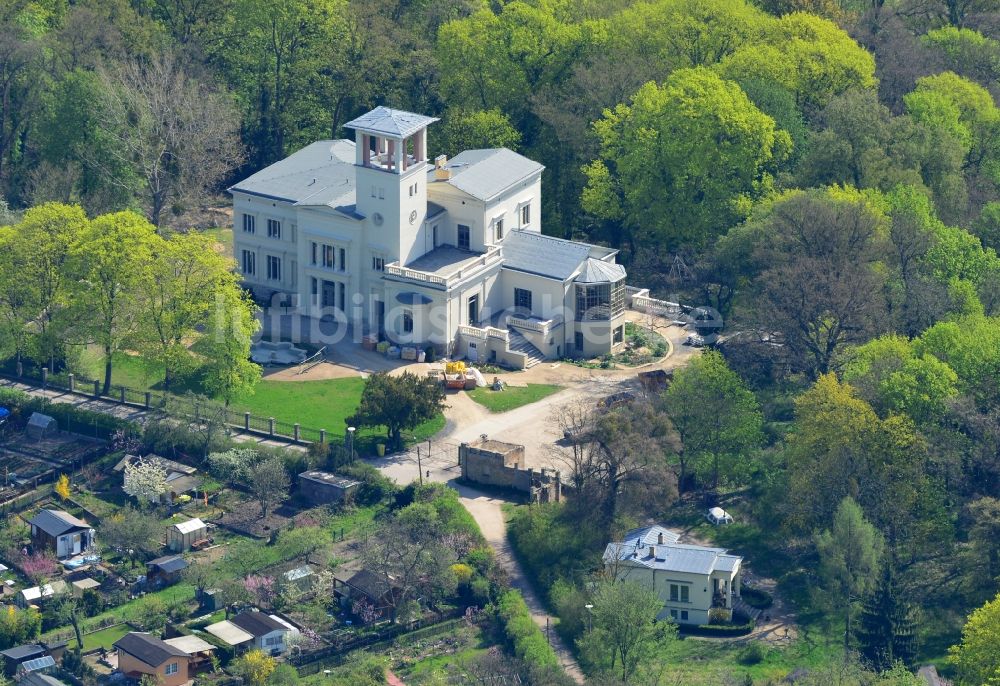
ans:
(690, 580)
(447, 254)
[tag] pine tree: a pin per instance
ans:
(886, 630)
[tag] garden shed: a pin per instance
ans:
(41, 425)
(183, 535)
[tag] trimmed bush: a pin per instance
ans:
(526, 638)
(717, 629)
(754, 597)
(69, 417)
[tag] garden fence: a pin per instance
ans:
(173, 405)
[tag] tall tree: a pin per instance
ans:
(268, 482)
(819, 283)
(173, 133)
(111, 258)
(625, 633)
(229, 373)
(663, 176)
(887, 627)
(179, 296)
(977, 657)
(399, 403)
(717, 416)
(850, 553)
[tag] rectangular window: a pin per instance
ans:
(343, 260)
(273, 268)
(684, 615)
(273, 228)
(249, 262)
(526, 215)
(473, 310)
(578, 340)
(463, 237)
(411, 190)
(341, 290)
(248, 223)
(328, 256)
(381, 194)
(378, 263)
(314, 250)
(619, 334)
(684, 594)
(673, 614)
(313, 285)
(522, 299)
(171, 668)
(407, 321)
(373, 191)
(674, 593)
(499, 229)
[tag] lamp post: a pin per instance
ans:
(350, 443)
(590, 617)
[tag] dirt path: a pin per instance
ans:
(489, 516)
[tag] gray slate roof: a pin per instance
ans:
(57, 522)
(148, 648)
(22, 652)
(321, 173)
(169, 563)
(386, 121)
(599, 271)
(669, 556)
(486, 173)
(555, 258)
(257, 623)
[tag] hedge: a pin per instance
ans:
(717, 629)
(70, 417)
(755, 597)
(524, 635)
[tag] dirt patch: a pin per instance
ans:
(246, 518)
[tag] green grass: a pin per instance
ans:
(126, 370)
(104, 638)
(322, 405)
(134, 608)
(512, 397)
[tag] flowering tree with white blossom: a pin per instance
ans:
(145, 481)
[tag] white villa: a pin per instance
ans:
(448, 254)
(690, 579)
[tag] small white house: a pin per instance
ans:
(254, 629)
(60, 533)
(690, 579)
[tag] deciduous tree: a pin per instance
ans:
(850, 553)
(977, 657)
(399, 403)
(268, 482)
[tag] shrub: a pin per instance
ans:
(754, 597)
(753, 653)
(524, 635)
(374, 489)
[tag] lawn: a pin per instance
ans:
(134, 609)
(512, 397)
(104, 638)
(126, 370)
(322, 404)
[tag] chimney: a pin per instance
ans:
(441, 171)
(440, 161)
(652, 551)
(659, 538)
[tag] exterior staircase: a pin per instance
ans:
(519, 344)
(740, 606)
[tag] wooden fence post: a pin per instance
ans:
(122, 394)
(295, 432)
(270, 427)
(246, 421)
(322, 435)
(72, 382)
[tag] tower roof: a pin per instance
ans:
(386, 121)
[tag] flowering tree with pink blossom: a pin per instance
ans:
(261, 588)
(38, 566)
(365, 611)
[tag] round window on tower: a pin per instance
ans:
(377, 218)
(413, 216)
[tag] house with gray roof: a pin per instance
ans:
(689, 579)
(60, 533)
(443, 253)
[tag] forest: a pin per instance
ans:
(825, 174)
